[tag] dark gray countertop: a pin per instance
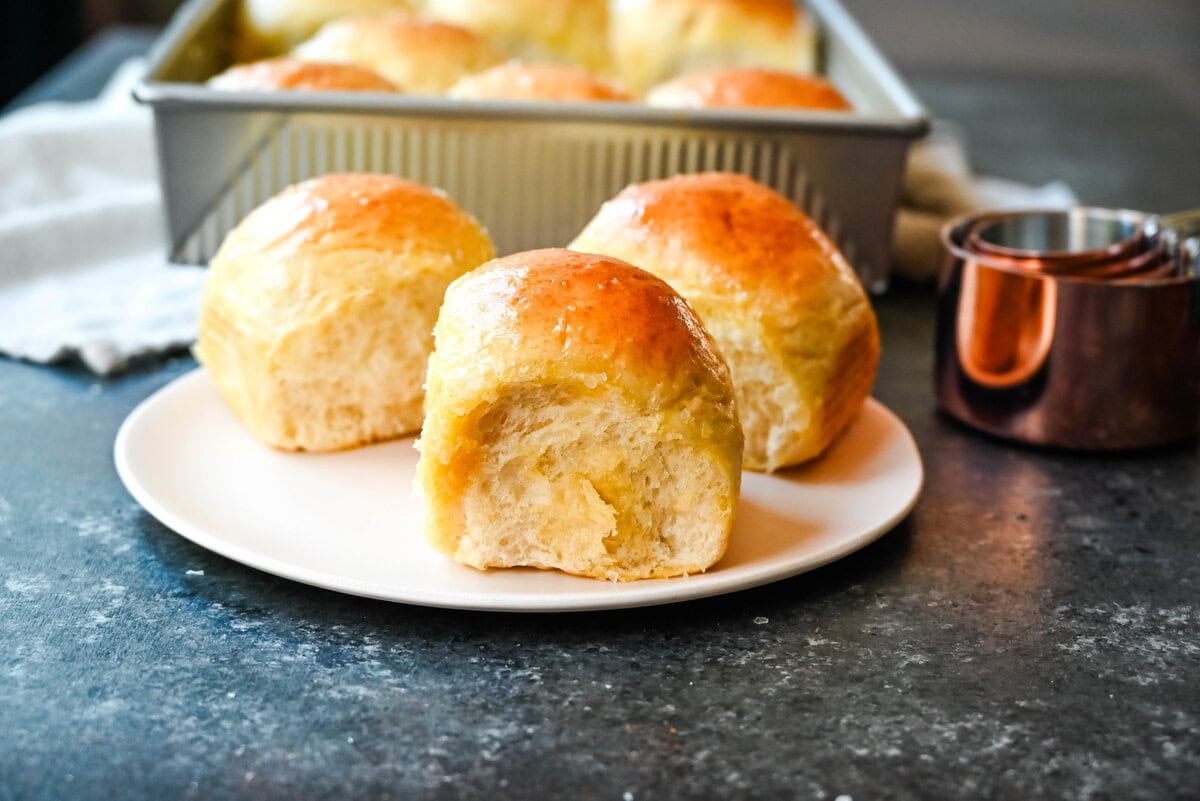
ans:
(1030, 631)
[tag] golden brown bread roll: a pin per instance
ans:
(654, 40)
(317, 316)
(785, 308)
(423, 56)
(579, 418)
(293, 73)
(553, 82)
(748, 87)
(567, 31)
(273, 27)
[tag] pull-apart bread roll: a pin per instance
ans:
(566, 31)
(748, 87)
(550, 82)
(316, 321)
(654, 40)
(579, 418)
(423, 56)
(292, 73)
(273, 27)
(785, 308)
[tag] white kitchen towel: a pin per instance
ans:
(83, 269)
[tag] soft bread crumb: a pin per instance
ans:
(587, 486)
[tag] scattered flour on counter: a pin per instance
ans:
(27, 585)
(912, 659)
(1158, 638)
(109, 707)
(110, 531)
(1086, 523)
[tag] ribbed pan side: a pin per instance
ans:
(532, 184)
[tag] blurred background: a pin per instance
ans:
(37, 34)
(1055, 73)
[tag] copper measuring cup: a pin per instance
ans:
(1072, 340)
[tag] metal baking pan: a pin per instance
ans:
(533, 173)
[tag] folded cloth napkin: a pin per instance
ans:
(83, 269)
(939, 185)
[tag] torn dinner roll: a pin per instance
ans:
(579, 419)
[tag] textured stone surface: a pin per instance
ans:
(1030, 631)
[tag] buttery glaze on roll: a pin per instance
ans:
(562, 31)
(654, 40)
(580, 419)
(785, 308)
(423, 56)
(552, 82)
(316, 321)
(748, 87)
(273, 27)
(299, 74)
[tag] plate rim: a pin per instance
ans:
(645, 593)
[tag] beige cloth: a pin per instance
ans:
(940, 186)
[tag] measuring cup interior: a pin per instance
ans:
(1082, 234)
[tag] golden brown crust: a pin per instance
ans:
(566, 31)
(347, 211)
(781, 14)
(656, 40)
(748, 88)
(422, 55)
(302, 74)
(786, 308)
(746, 237)
(592, 313)
(410, 31)
(520, 81)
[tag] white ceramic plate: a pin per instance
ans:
(350, 521)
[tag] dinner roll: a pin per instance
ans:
(293, 73)
(579, 418)
(567, 31)
(423, 56)
(654, 40)
(785, 308)
(273, 27)
(317, 315)
(748, 87)
(552, 82)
